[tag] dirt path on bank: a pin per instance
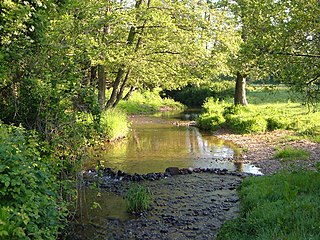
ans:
(259, 149)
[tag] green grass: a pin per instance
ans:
(148, 102)
(114, 124)
(290, 153)
(138, 198)
(282, 206)
(268, 110)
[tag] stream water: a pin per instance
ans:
(156, 143)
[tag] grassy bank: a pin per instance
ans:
(269, 109)
(148, 102)
(282, 206)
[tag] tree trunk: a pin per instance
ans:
(93, 76)
(120, 93)
(101, 86)
(114, 99)
(240, 97)
(115, 87)
(127, 96)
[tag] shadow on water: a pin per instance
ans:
(156, 143)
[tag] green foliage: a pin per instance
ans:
(138, 198)
(194, 96)
(278, 112)
(282, 206)
(247, 123)
(30, 207)
(114, 124)
(290, 153)
(148, 102)
(213, 117)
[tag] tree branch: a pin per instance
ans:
(296, 54)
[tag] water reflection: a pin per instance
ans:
(156, 143)
(95, 206)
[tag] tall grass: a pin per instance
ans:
(148, 102)
(282, 206)
(114, 124)
(138, 198)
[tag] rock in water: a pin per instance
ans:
(172, 171)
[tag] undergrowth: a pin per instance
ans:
(148, 102)
(31, 206)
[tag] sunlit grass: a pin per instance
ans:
(114, 124)
(282, 206)
(148, 102)
(268, 110)
(290, 153)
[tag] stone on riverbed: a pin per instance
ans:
(173, 171)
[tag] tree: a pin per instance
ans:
(147, 44)
(279, 38)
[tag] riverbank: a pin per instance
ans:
(259, 149)
(192, 206)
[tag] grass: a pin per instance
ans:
(114, 124)
(138, 198)
(290, 153)
(268, 110)
(282, 206)
(148, 102)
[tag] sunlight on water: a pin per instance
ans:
(157, 143)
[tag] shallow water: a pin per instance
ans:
(156, 143)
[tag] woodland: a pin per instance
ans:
(67, 65)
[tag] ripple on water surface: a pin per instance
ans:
(156, 143)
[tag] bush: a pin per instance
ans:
(138, 198)
(194, 96)
(242, 123)
(30, 207)
(114, 124)
(210, 122)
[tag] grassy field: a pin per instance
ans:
(269, 109)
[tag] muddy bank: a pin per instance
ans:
(191, 206)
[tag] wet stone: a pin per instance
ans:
(183, 207)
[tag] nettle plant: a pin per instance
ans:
(30, 206)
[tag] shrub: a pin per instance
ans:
(210, 122)
(114, 124)
(30, 207)
(290, 153)
(194, 96)
(138, 198)
(277, 122)
(247, 123)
